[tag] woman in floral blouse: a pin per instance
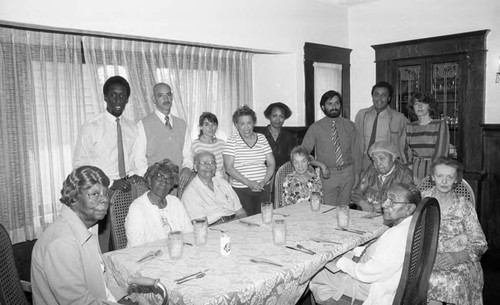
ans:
(457, 276)
(302, 181)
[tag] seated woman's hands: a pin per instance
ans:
(449, 259)
(122, 185)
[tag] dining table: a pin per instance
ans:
(256, 271)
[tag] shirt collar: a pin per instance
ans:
(79, 229)
(111, 117)
(384, 176)
(161, 116)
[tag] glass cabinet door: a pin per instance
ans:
(409, 80)
(445, 87)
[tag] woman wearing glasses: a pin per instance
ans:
(67, 266)
(153, 215)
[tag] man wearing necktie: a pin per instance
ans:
(335, 142)
(380, 123)
(107, 142)
(164, 136)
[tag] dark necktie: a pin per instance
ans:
(374, 132)
(119, 143)
(339, 160)
(167, 122)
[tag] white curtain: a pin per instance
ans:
(42, 107)
(48, 90)
(326, 77)
(202, 79)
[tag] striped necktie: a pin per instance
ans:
(339, 160)
(167, 122)
(119, 143)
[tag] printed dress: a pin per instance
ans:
(424, 143)
(462, 284)
(294, 189)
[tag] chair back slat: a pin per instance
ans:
(120, 203)
(11, 291)
(281, 174)
(420, 254)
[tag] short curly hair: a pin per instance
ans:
(117, 79)
(80, 180)
(167, 166)
(244, 111)
(448, 162)
(301, 151)
(284, 108)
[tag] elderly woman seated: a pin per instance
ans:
(303, 181)
(375, 277)
(67, 266)
(457, 276)
(210, 196)
(385, 170)
(153, 215)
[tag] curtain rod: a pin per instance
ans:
(48, 29)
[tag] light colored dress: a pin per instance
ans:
(424, 143)
(460, 230)
(294, 189)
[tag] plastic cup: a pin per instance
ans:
(315, 201)
(266, 211)
(343, 216)
(175, 245)
(279, 232)
(200, 231)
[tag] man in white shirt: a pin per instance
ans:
(209, 196)
(375, 278)
(97, 143)
(164, 136)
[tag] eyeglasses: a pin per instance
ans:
(389, 202)
(162, 178)
(208, 163)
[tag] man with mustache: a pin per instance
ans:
(164, 136)
(335, 141)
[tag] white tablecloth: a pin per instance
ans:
(234, 279)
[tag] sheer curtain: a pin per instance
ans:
(326, 77)
(202, 79)
(49, 90)
(42, 107)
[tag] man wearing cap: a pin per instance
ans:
(164, 136)
(380, 123)
(335, 141)
(385, 170)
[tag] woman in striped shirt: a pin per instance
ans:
(249, 161)
(426, 138)
(208, 142)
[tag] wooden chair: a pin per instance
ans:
(420, 254)
(120, 203)
(463, 189)
(281, 174)
(421, 249)
(11, 290)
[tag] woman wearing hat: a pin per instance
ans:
(385, 170)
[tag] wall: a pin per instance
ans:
(281, 26)
(387, 21)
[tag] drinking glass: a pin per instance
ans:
(266, 211)
(343, 216)
(175, 244)
(279, 232)
(200, 231)
(315, 201)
